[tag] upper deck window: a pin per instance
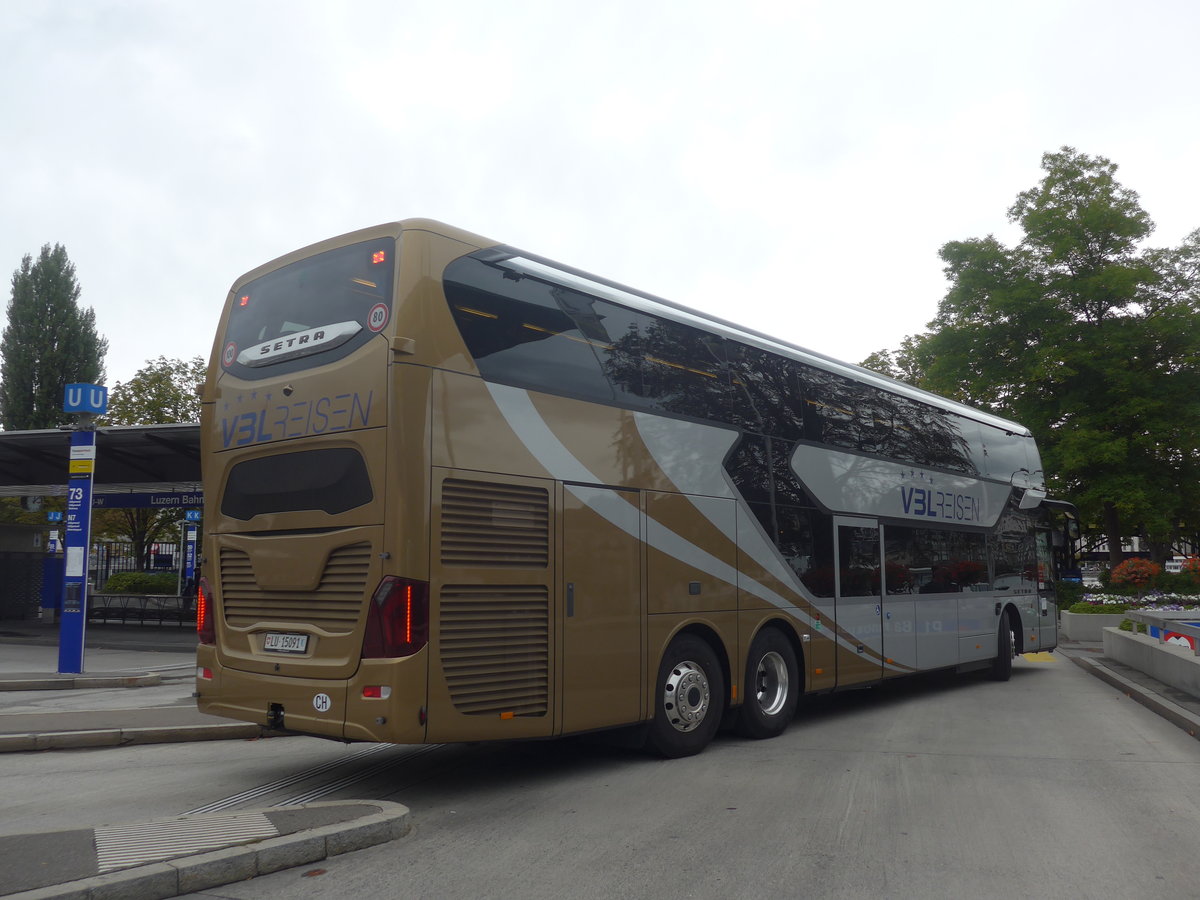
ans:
(526, 331)
(532, 326)
(310, 312)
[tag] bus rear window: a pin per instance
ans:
(332, 480)
(311, 312)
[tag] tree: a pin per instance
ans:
(904, 364)
(1086, 338)
(161, 392)
(48, 343)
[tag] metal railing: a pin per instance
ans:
(1170, 622)
(141, 608)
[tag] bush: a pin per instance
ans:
(1177, 582)
(1136, 572)
(1088, 608)
(142, 583)
(1067, 593)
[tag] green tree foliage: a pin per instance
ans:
(1087, 338)
(904, 364)
(162, 392)
(48, 343)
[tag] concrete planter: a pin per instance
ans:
(1168, 663)
(1087, 626)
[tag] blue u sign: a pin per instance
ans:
(85, 398)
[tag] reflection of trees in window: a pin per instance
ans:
(858, 560)
(769, 397)
(525, 331)
(676, 368)
(870, 420)
(759, 469)
(933, 560)
(1013, 546)
(529, 332)
(804, 538)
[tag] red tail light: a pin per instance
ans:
(206, 628)
(398, 619)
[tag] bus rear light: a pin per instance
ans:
(206, 629)
(204, 673)
(377, 692)
(397, 619)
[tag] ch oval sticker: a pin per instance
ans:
(322, 703)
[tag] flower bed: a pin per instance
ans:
(1087, 619)
(1100, 603)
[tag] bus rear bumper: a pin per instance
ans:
(340, 709)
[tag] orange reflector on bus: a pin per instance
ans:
(818, 671)
(507, 715)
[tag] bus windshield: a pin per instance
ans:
(326, 305)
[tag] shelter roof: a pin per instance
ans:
(129, 458)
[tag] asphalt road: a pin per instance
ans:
(1051, 785)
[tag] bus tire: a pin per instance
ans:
(689, 699)
(1005, 642)
(772, 686)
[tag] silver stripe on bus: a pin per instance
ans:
(518, 410)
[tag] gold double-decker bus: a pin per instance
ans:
(459, 492)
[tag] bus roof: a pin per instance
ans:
(546, 269)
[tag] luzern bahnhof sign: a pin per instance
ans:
(149, 500)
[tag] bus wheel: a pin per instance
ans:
(772, 686)
(689, 699)
(1005, 642)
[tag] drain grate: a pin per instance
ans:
(121, 846)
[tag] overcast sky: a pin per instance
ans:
(792, 166)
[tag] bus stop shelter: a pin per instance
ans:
(130, 460)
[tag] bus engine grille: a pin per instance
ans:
(490, 524)
(334, 606)
(495, 648)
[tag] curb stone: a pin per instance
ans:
(1172, 712)
(171, 878)
(78, 682)
(121, 737)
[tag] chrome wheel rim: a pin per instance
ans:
(771, 683)
(685, 696)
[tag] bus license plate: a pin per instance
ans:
(285, 643)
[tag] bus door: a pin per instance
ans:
(1046, 611)
(899, 615)
(858, 601)
(600, 608)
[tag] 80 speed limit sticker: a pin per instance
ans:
(377, 317)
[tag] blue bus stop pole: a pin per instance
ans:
(87, 401)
